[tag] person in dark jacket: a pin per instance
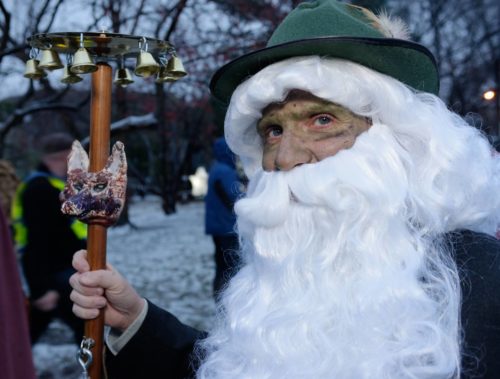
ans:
(46, 238)
(224, 188)
(368, 224)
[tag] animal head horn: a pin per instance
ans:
(78, 158)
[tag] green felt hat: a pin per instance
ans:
(329, 28)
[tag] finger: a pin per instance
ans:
(87, 302)
(107, 279)
(97, 278)
(80, 262)
(76, 284)
(85, 313)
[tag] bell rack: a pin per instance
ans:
(106, 46)
(150, 53)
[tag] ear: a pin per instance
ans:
(117, 161)
(78, 158)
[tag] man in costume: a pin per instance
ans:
(46, 238)
(367, 228)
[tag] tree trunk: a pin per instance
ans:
(166, 167)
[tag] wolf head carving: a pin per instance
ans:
(95, 197)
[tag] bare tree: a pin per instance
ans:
(38, 17)
(464, 36)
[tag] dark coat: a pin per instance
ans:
(163, 346)
(51, 243)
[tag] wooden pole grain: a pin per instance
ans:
(97, 234)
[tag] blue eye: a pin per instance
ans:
(323, 120)
(274, 131)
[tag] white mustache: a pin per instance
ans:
(363, 174)
(267, 195)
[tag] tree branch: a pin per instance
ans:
(180, 7)
(5, 27)
(19, 114)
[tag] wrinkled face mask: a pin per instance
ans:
(305, 129)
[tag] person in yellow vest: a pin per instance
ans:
(46, 238)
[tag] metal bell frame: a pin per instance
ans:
(86, 49)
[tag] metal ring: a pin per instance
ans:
(84, 357)
(34, 53)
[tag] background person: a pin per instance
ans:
(224, 188)
(46, 238)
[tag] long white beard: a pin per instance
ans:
(337, 282)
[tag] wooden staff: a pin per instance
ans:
(98, 155)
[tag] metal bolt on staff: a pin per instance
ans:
(90, 52)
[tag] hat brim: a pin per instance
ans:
(406, 61)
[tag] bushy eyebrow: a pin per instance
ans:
(312, 109)
(266, 121)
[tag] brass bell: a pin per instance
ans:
(50, 60)
(69, 77)
(82, 62)
(32, 70)
(146, 65)
(175, 67)
(123, 77)
(164, 76)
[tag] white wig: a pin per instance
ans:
(452, 166)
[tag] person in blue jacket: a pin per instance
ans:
(224, 188)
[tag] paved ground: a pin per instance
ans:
(169, 261)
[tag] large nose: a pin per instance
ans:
(292, 152)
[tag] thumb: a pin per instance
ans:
(80, 262)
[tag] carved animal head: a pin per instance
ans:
(95, 197)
